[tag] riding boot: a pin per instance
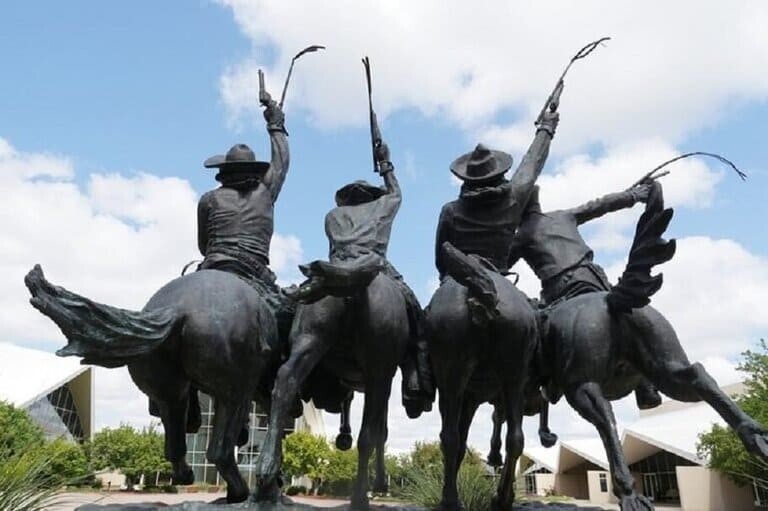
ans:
(647, 396)
(310, 291)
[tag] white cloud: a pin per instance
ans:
(117, 240)
(713, 295)
(665, 73)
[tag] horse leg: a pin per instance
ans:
(494, 456)
(307, 349)
(344, 438)
(174, 417)
(468, 411)
(380, 483)
(684, 381)
(587, 399)
(514, 401)
(450, 404)
(372, 430)
(546, 437)
(227, 422)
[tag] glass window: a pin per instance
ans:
(603, 482)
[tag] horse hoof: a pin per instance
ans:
(449, 506)
(234, 497)
(380, 488)
(359, 504)
(494, 459)
(242, 437)
(344, 441)
(498, 505)
(267, 490)
(635, 502)
(547, 438)
(184, 478)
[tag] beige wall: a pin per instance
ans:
(702, 489)
(572, 485)
(82, 394)
(593, 482)
(545, 484)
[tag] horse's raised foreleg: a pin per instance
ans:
(309, 342)
(228, 420)
(691, 382)
(587, 399)
(372, 430)
(494, 456)
(344, 438)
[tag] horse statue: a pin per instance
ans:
(356, 323)
(601, 345)
(208, 330)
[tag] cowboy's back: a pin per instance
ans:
(237, 223)
(483, 220)
(362, 229)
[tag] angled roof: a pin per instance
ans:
(28, 374)
(676, 432)
(576, 451)
(543, 457)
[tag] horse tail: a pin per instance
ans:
(100, 334)
(636, 285)
(469, 272)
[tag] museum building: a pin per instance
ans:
(660, 448)
(56, 392)
(197, 443)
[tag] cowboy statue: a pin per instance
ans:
(236, 221)
(358, 230)
(556, 252)
(235, 227)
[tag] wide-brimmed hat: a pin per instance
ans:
(358, 192)
(481, 164)
(239, 157)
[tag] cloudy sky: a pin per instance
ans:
(108, 110)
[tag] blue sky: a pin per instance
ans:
(153, 88)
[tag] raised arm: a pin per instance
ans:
(278, 168)
(611, 202)
(522, 181)
(387, 171)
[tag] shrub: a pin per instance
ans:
(28, 484)
(424, 486)
(296, 490)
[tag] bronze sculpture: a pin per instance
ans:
(216, 330)
(356, 323)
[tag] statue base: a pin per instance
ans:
(296, 506)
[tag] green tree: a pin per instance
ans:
(341, 472)
(132, 452)
(18, 433)
(305, 454)
(67, 461)
(721, 446)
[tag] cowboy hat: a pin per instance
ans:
(239, 157)
(481, 164)
(358, 192)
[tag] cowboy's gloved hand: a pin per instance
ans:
(641, 192)
(274, 116)
(549, 122)
(381, 152)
